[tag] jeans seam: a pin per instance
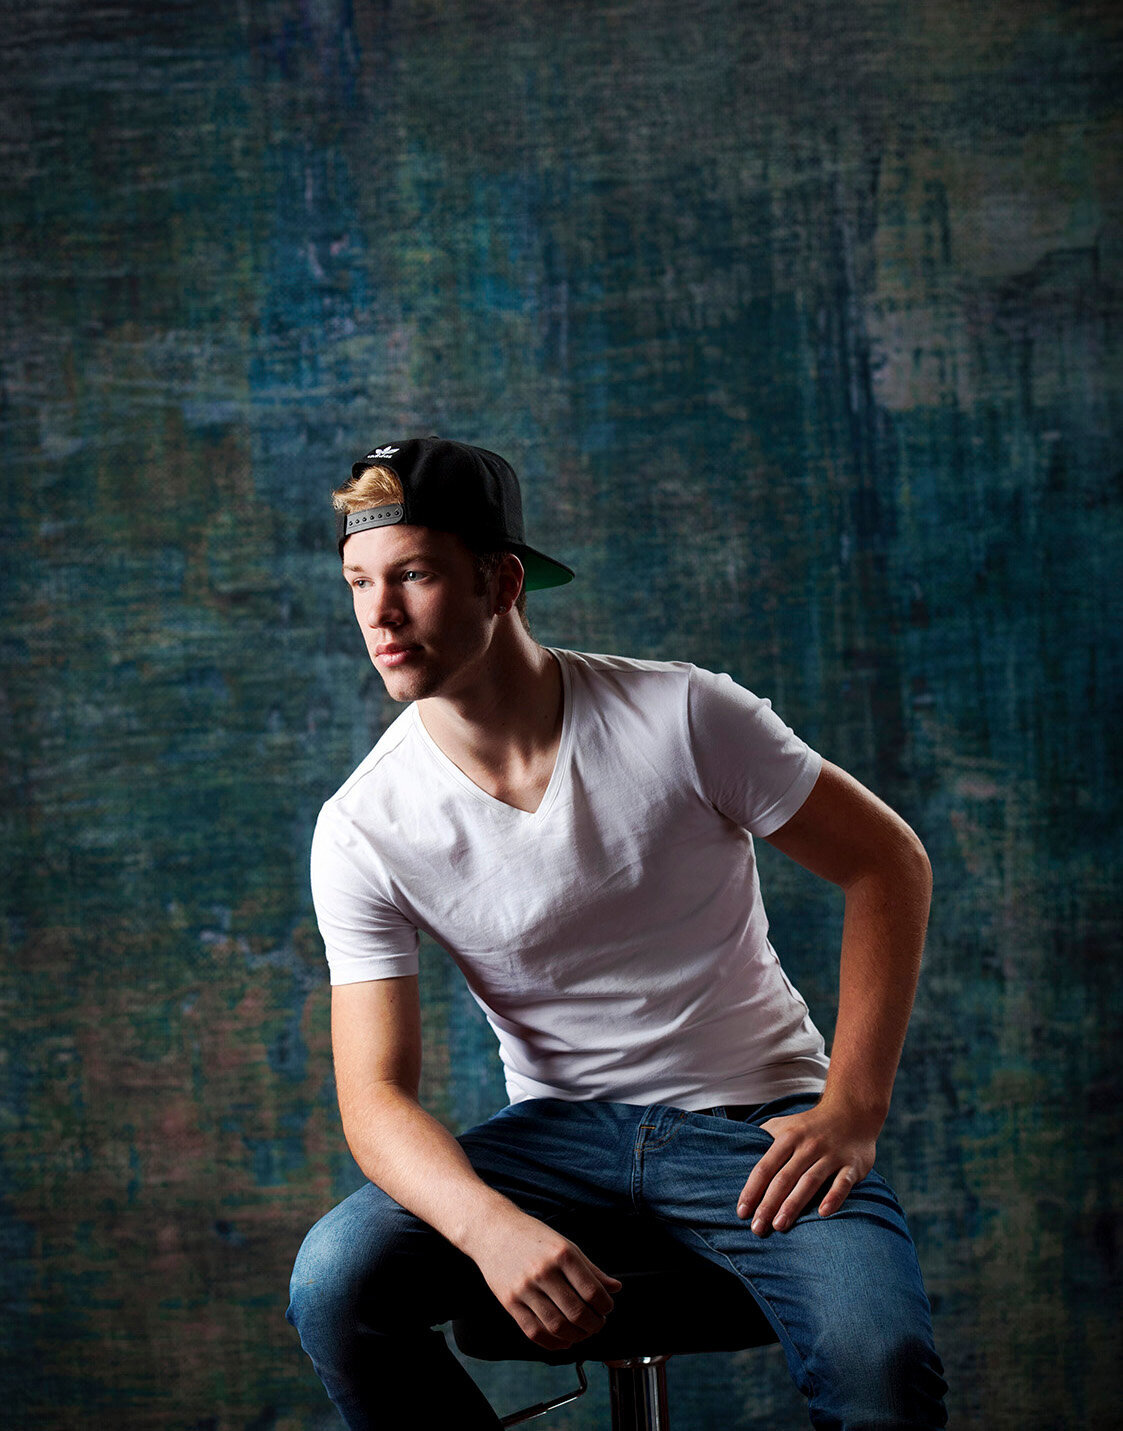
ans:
(773, 1317)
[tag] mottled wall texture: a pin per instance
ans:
(801, 322)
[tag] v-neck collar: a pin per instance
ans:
(561, 760)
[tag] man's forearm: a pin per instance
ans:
(833, 1145)
(886, 916)
(418, 1162)
(553, 1292)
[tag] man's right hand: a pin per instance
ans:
(555, 1294)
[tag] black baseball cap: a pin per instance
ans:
(455, 488)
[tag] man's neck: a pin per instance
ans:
(504, 727)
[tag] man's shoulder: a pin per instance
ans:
(376, 767)
(661, 691)
(626, 669)
(679, 676)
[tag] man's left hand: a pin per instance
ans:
(824, 1146)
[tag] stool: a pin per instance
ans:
(671, 1301)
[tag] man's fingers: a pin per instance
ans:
(575, 1309)
(534, 1328)
(839, 1191)
(782, 1187)
(572, 1301)
(546, 1283)
(596, 1287)
(760, 1181)
(592, 1287)
(772, 1180)
(804, 1190)
(562, 1315)
(809, 1152)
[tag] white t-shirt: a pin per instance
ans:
(615, 938)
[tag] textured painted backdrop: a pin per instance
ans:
(802, 322)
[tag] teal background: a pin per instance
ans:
(801, 323)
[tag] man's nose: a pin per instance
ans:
(383, 609)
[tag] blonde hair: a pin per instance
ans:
(374, 486)
(377, 486)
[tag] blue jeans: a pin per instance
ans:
(843, 1294)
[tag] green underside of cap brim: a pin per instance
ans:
(542, 571)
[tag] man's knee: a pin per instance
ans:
(371, 1267)
(883, 1376)
(341, 1263)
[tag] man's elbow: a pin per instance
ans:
(896, 864)
(905, 879)
(916, 858)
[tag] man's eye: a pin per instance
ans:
(412, 575)
(360, 582)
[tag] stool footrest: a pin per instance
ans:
(540, 1408)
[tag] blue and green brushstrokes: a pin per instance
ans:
(802, 324)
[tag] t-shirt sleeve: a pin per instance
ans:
(751, 767)
(365, 936)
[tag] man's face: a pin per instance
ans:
(425, 622)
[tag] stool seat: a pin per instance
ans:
(671, 1302)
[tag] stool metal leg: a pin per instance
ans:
(638, 1394)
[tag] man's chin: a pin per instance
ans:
(407, 686)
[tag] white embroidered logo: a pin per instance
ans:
(381, 452)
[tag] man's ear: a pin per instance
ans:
(508, 582)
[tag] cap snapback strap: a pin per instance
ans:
(374, 517)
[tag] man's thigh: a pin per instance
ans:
(549, 1155)
(693, 1168)
(833, 1288)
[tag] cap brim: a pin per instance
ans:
(541, 571)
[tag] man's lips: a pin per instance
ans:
(393, 653)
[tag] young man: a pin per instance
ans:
(577, 831)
